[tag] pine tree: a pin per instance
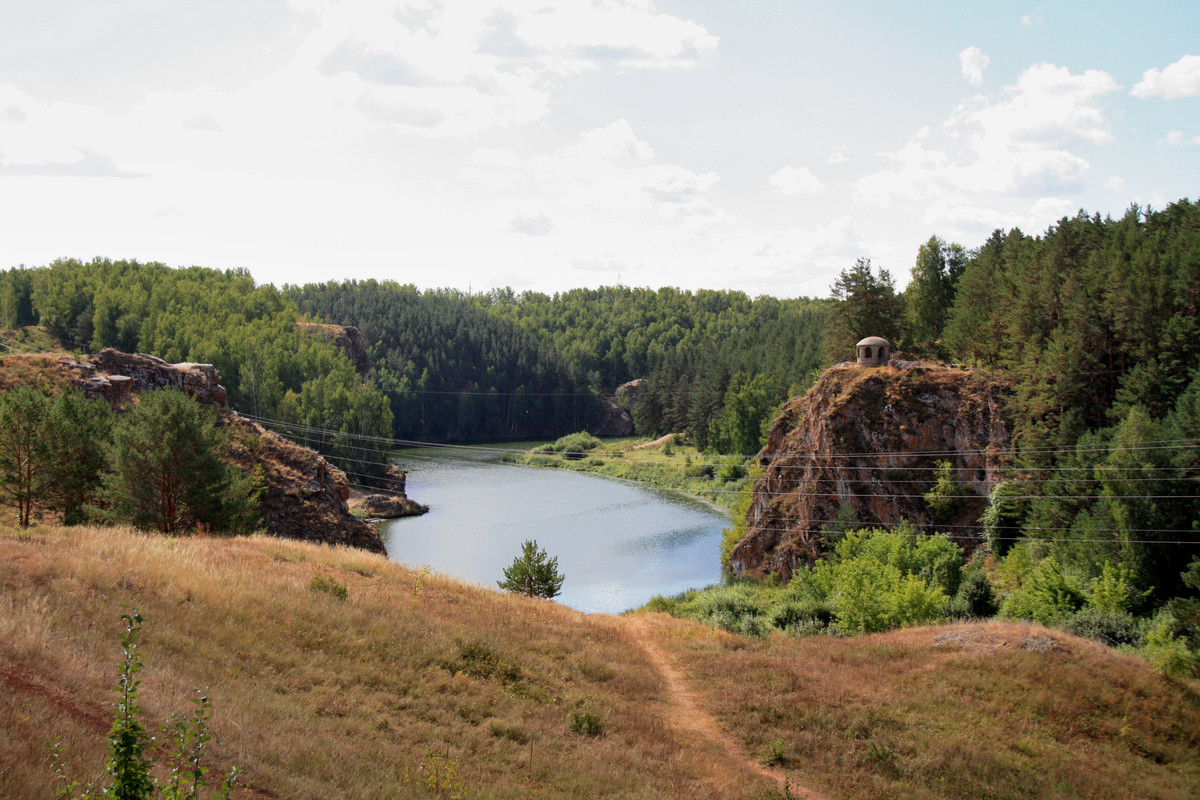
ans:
(165, 471)
(532, 573)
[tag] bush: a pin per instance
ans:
(328, 585)
(802, 617)
(1113, 628)
(974, 598)
(128, 767)
(731, 471)
(572, 446)
(585, 723)
(1045, 595)
(1168, 653)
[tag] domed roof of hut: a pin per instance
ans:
(874, 341)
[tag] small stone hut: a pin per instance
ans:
(874, 351)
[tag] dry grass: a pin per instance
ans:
(995, 710)
(415, 675)
(47, 371)
(315, 696)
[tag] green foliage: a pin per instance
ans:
(974, 598)
(1166, 650)
(26, 463)
(865, 304)
(51, 451)
(930, 293)
(586, 723)
(572, 446)
(78, 431)
(946, 495)
(872, 581)
(1045, 595)
(1001, 519)
(731, 469)
(165, 471)
(1113, 627)
(750, 405)
(127, 773)
(327, 584)
(773, 754)
(1112, 590)
(533, 573)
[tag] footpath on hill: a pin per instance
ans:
(685, 715)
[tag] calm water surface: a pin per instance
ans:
(618, 544)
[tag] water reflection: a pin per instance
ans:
(618, 544)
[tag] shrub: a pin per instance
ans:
(328, 585)
(572, 446)
(585, 723)
(1114, 628)
(1168, 653)
(773, 754)
(946, 496)
(974, 598)
(731, 470)
(1045, 595)
(128, 767)
(802, 617)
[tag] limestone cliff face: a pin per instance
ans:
(869, 439)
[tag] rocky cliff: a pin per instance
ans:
(865, 442)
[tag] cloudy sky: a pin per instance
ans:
(549, 144)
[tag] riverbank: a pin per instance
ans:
(665, 463)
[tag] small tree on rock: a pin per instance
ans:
(533, 573)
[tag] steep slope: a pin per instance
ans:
(865, 442)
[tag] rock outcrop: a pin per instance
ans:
(305, 495)
(865, 442)
(116, 376)
(348, 339)
(615, 421)
(384, 506)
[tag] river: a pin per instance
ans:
(618, 544)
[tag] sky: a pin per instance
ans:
(546, 145)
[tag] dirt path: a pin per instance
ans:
(685, 715)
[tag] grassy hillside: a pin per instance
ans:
(419, 686)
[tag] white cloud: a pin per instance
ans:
(1018, 141)
(538, 225)
(1178, 80)
(1032, 18)
(796, 180)
(1173, 138)
(616, 140)
(460, 68)
(973, 62)
(839, 155)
